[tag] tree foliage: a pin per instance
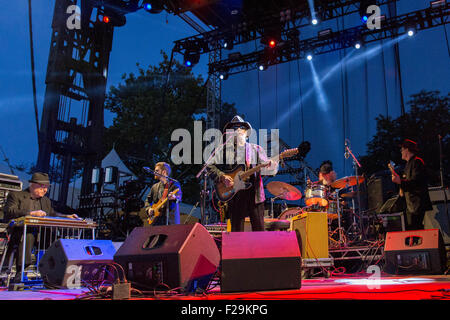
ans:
(147, 111)
(427, 119)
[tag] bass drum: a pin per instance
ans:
(290, 213)
(316, 195)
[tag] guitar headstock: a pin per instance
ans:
(288, 153)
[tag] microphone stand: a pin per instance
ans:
(205, 174)
(356, 164)
(441, 173)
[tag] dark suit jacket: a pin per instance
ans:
(156, 193)
(415, 186)
(19, 204)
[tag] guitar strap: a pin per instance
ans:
(166, 190)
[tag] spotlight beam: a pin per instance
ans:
(351, 60)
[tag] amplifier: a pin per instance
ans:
(415, 252)
(10, 182)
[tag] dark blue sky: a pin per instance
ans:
(425, 65)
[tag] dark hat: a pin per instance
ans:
(236, 122)
(40, 177)
(326, 166)
(410, 145)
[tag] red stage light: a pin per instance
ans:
(106, 19)
(272, 43)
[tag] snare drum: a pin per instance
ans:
(316, 195)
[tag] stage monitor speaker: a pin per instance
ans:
(415, 252)
(69, 263)
(260, 261)
(171, 256)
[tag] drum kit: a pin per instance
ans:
(319, 198)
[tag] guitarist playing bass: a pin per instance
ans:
(162, 202)
(248, 201)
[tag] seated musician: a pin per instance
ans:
(29, 202)
(326, 174)
(160, 190)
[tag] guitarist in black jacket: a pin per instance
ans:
(247, 202)
(414, 186)
(161, 190)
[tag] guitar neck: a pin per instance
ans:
(251, 171)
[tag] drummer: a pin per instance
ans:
(326, 174)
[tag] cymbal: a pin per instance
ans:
(346, 182)
(284, 190)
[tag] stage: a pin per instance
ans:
(346, 287)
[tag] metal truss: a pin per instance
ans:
(356, 253)
(250, 30)
(298, 49)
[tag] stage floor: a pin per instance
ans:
(334, 288)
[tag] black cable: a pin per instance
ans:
(301, 99)
(33, 74)
(384, 80)
(276, 97)
(259, 95)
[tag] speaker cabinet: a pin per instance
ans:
(260, 261)
(68, 263)
(415, 252)
(312, 233)
(175, 256)
(379, 190)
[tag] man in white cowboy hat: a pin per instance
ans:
(31, 201)
(247, 202)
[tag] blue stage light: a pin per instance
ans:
(148, 6)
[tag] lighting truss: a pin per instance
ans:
(297, 49)
(251, 30)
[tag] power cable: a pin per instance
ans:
(33, 75)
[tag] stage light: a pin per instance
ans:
(262, 67)
(148, 6)
(112, 17)
(365, 18)
(358, 45)
(314, 21)
(223, 76)
(154, 6)
(191, 58)
(309, 57)
(272, 43)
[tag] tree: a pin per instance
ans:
(147, 112)
(427, 118)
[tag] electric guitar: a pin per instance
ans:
(391, 167)
(240, 175)
(155, 210)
